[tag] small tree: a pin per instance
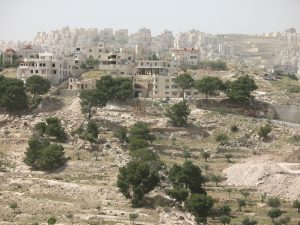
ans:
(225, 219)
(136, 143)
(52, 220)
(140, 130)
(224, 210)
(216, 179)
(178, 193)
(240, 90)
(228, 156)
(234, 128)
(42, 155)
(274, 213)
(274, 202)
(228, 190)
(264, 131)
(55, 129)
(222, 139)
(136, 179)
(241, 203)
(205, 155)
(121, 134)
(12, 94)
(296, 204)
(51, 157)
(184, 81)
(91, 132)
(37, 85)
(178, 113)
(209, 85)
(41, 128)
(249, 221)
(133, 217)
(199, 205)
(188, 175)
(92, 98)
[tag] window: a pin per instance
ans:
(41, 64)
(167, 80)
(166, 92)
(44, 64)
(53, 64)
(36, 71)
(156, 86)
(54, 71)
(31, 71)
(90, 50)
(167, 87)
(155, 64)
(100, 50)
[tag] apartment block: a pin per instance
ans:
(56, 70)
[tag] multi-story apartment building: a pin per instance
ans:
(165, 87)
(121, 36)
(186, 55)
(142, 37)
(56, 70)
(9, 56)
(157, 67)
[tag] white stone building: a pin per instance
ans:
(151, 67)
(165, 87)
(78, 84)
(186, 56)
(56, 70)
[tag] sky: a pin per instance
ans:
(22, 19)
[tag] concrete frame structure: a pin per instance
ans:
(46, 65)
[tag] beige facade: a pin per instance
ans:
(186, 56)
(77, 84)
(165, 87)
(45, 65)
(151, 67)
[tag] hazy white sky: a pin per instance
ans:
(21, 19)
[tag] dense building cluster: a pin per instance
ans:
(66, 53)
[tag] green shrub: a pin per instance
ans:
(294, 89)
(178, 193)
(274, 202)
(42, 155)
(222, 138)
(234, 128)
(264, 131)
(52, 128)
